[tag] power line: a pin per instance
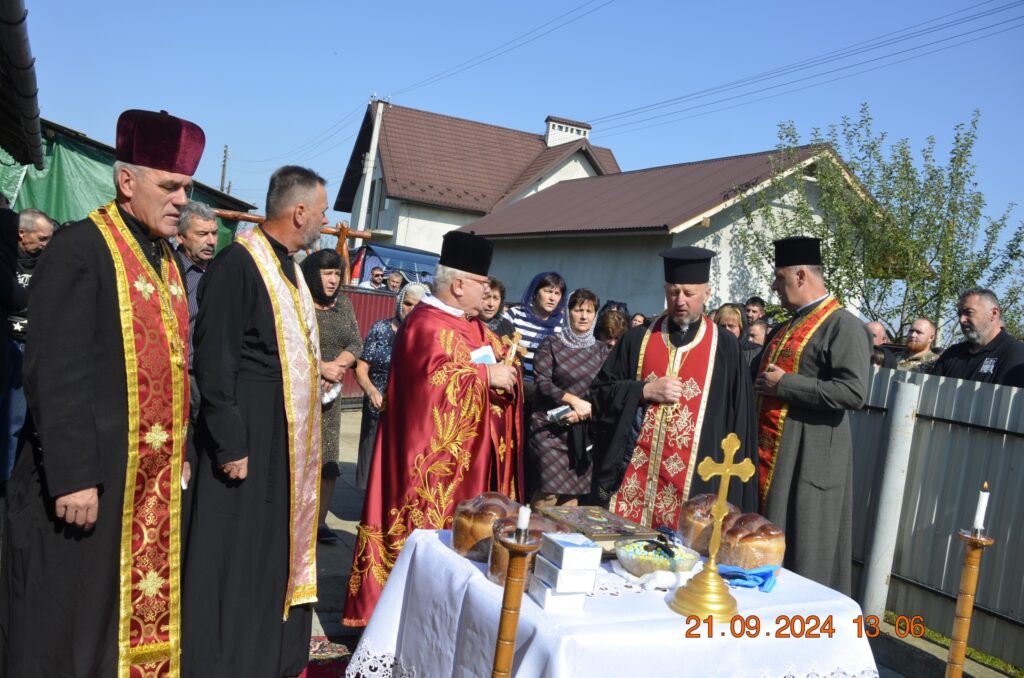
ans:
(503, 48)
(319, 138)
(811, 77)
(493, 53)
(835, 55)
(815, 84)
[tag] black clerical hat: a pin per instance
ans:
(466, 252)
(799, 250)
(687, 265)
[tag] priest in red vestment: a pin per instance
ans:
(91, 565)
(665, 398)
(451, 427)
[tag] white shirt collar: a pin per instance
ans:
(431, 300)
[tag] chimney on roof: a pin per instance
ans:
(562, 131)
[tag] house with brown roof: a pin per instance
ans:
(605, 232)
(415, 175)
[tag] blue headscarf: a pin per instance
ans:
(553, 320)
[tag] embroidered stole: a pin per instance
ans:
(658, 477)
(783, 350)
(298, 347)
(154, 332)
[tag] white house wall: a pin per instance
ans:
(621, 267)
(576, 166)
(422, 227)
(731, 276)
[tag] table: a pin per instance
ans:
(438, 616)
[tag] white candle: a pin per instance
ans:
(523, 522)
(979, 515)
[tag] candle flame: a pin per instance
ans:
(984, 488)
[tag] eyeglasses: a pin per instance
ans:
(483, 282)
(378, 275)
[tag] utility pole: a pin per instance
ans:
(224, 168)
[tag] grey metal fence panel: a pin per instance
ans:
(965, 433)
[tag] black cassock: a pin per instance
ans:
(236, 562)
(59, 585)
(618, 411)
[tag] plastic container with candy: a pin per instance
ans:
(643, 556)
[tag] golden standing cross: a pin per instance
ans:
(708, 469)
(707, 593)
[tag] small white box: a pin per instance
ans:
(564, 581)
(570, 551)
(556, 603)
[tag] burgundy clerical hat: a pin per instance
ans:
(798, 250)
(159, 141)
(466, 252)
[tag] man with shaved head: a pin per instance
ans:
(988, 353)
(879, 337)
(919, 356)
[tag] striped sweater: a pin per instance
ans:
(532, 335)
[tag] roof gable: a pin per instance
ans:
(664, 198)
(450, 162)
(550, 158)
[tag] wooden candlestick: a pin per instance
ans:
(519, 555)
(965, 601)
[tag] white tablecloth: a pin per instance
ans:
(438, 616)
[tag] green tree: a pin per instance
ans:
(901, 236)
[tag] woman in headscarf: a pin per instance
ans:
(372, 373)
(537, 317)
(340, 346)
(491, 310)
(564, 366)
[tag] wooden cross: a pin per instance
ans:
(726, 470)
(340, 229)
(343, 232)
(513, 348)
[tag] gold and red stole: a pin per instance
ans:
(154, 331)
(298, 347)
(658, 477)
(784, 350)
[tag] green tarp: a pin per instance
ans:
(78, 178)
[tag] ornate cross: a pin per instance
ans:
(726, 470)
(513, 348)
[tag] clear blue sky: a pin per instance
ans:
(267, 78)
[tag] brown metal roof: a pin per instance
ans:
(655, 198)
(450, 162)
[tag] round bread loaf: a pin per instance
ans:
(695, 522)
(750, 540)
(474, 521)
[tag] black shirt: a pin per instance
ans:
(1001, 361)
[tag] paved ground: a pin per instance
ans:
(335, 560)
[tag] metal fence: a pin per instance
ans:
(964, 433)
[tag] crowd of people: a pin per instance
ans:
(173, 452)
